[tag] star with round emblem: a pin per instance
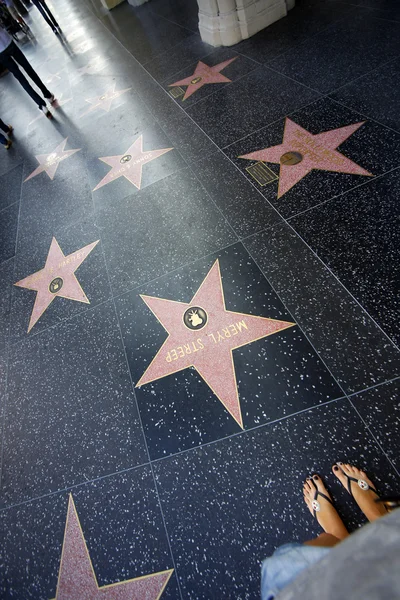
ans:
(130, 163)
(104, 101)
(57, 278)
(77, 579)
(48, 163)
(202, 334)
(301, 151)
(203, 75)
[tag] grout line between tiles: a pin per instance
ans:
(373, 387)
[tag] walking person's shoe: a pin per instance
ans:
(8, 144)
(46, 111)
(10, 130)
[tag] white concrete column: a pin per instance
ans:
(227, 22)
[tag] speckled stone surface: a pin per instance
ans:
(357, 352)
(6, 280)
(8, 231)
(242, 205)
(357, 236)
(175, 216)
(276, 376)
(380, 409)
(373, 42)
(361, 95)
(121, 523)
(199, 474)
(221, 115)
(247, 491)
(10, 185)
(371, 147)
(74, 429)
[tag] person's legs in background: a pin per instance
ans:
(46, 14)
(8, 130)
(9, 58)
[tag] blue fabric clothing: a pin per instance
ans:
(285, 564)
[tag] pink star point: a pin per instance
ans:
(104, 101)
(313, 152)
(48, 163)
(130, 164)
(57, 278)
(77, 579)
(204, 75)
(209, 348)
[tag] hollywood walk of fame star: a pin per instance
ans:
(105, 100)
(202, 334)
(83, 47)
(77, 579)
(301, 152)
(204, 75)
(130, 164)
(50, 162)
(57, 278)
(94, 66)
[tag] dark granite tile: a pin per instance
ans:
(380, 409)
(159, 229)
(243, 206)
(184, 134)
(357, 236)
(6, 281)
(354, 348)
(184, 54)
(221, 115)
(121, 525)
(358, 45)
(144, 33)
(8, 231)
(374, 95)
(10, 186)
(242, 497)
(148, 171)
(233, 71)
(74, 428)
(182, 12)
(276, 375)
(302, 22)
(91, 275)
(371, 149)
(9, 159)
(49, 205)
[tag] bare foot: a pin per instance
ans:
(362, 490)
(325, 512)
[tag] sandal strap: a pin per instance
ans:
(318, 493)
(350, 479)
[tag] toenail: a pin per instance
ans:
(315, 477)
(340, 463)
(336, 468)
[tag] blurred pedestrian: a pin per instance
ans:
(8, 129)
(47, 14)
(10, 55)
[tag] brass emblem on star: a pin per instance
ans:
(195, 318)
(56, 285)
(196, 80)
(291, 158)
(125, 158)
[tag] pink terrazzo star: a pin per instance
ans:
(49, 162)
(77, 579)
(301, 152)
(202, 334)
(57, 278)
(104, 101)
(130, 164)
(202, 76)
